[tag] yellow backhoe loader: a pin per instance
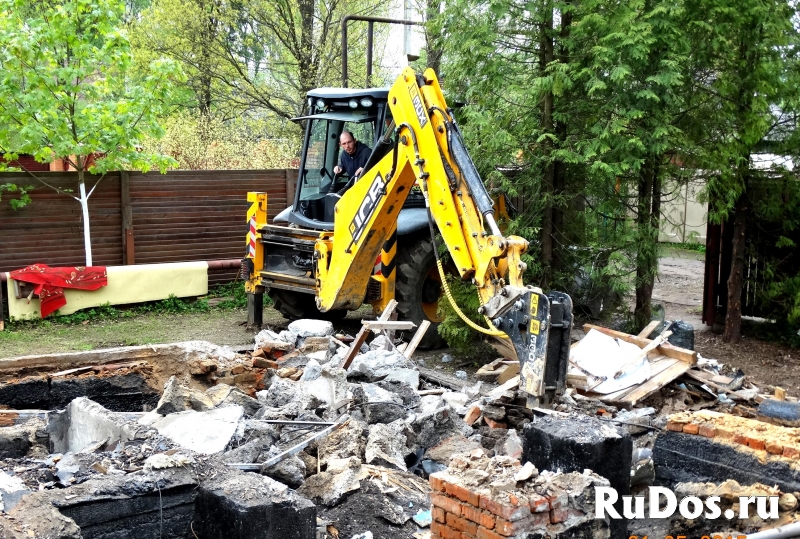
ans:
(349, 241)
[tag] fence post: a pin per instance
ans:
(291, 175)
(128, 250)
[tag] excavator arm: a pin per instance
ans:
(428, 151)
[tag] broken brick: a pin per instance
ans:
(773, 447)
(674, 426)
(438, 514)
(707, 430)
(461, 524)
(437, 481)
(444, 532)
(463, 494)
(691, 428)
(533, 522)
(477, 516)
(495, 424)
(791, 452)
(508, 512)
(263, 363)
(472, 414)
(539, 504)
(755, 443)
(448, 504)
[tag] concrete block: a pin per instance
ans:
(84, 422)
(575, 444)
(249, 506)
(123, 507)
(203, 432)
(12, 489)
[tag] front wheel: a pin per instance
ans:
(418, 288)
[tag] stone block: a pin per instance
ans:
(248, 506)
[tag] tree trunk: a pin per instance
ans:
(434, 54)
(559, 167)
(545, 57)
(84, 200)
(647, 248)
(733, 318)
(305, 57)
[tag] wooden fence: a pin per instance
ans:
(138, 218)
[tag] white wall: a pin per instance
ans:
(683, 218)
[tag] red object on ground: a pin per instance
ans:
(49, 283)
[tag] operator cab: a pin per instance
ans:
(332, 111)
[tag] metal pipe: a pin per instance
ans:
(782, 532)
(370, 30)
(246, 466)
(224, 264)
(212, 264)
(288, 422)
(348, 18)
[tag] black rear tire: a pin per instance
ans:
(418, 288)
(296, 305)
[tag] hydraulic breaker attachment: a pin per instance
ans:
(538, 327)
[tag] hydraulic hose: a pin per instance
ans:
(465, 318)
(459, 312)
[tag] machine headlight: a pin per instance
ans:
(320, 103)
(365, 102)
(353, 103)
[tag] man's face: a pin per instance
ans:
(348, 144)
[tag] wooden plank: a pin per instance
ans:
(399, 325)
(689, 356)
(673, 371)
(649, 328)
(657, 366)
(416, 339)
(508, 373)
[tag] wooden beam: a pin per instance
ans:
(649, 328)
(128, 251)
(416, 339)
(355, 347)
(400, 325)
(665, 349)
(366, 327)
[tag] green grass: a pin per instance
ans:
(218, 317)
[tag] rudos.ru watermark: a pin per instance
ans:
(663, 503)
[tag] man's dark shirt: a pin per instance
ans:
(351, 163)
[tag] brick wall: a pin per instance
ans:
(750, 433)
(469, 502)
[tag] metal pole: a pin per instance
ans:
(370, 30)
(348, 18)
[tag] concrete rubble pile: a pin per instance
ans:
(283, 442)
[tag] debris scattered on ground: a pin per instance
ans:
(352, 438)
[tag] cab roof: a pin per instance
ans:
(347, 93)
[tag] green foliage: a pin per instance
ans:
(22, 197)
(254, 55)
(202, 142)
(66, 91)
(457, 334)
